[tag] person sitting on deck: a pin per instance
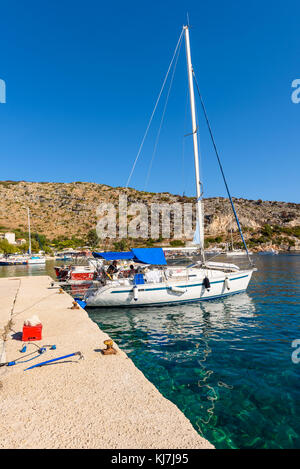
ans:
(112, 269)
(132, 271)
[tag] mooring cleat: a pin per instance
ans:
(109, 350)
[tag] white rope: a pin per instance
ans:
(153, 112)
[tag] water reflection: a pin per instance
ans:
(177, 320)
(242, 341)
(28, 270)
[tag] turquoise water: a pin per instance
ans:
(225, 363)
(24, 270)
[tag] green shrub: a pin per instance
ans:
(177, 243)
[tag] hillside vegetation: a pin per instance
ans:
(65, 215)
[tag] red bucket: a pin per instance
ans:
(32, 332)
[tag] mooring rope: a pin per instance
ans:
(8, 327)
(33, 304)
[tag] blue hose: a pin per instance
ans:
(54, 360)
(17, 361)
(41, 350)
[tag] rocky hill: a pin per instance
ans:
(70, 209)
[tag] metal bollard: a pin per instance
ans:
(109, 350)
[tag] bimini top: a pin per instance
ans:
(154, 256)
(114, 256)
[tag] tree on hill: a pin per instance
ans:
(92, 238)
(7, 248)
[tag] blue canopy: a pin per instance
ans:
(154, 256)
(114, 256)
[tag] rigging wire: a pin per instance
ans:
(163, 115)
(153, 112)
(221, 168)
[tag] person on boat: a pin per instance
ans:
(112, 269)
(132, 271)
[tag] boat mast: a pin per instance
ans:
(195, 141)
(29, 231)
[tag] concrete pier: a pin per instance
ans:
(102, 401)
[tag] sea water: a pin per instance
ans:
(227, 364)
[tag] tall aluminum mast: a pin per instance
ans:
(29, 234)
(195, 141)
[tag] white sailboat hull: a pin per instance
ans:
(167, 293)
(36, 260)
(237, 253)
(268, 253)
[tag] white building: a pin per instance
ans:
(20, 241)
(11, 237)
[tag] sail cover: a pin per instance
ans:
(154, 256)
(196, 239)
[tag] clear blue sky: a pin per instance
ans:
(82, 79)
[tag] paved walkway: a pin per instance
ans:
(99, 402)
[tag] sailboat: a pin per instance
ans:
(232, 252)
(156, 283)
(33, 260)
(270, 252)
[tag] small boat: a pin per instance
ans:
(25, 259)
(270, 252)
(214, 250)
(22, 260)
(36, 260)
(33, 260)
(77, 272)
(13, 260)
(63, 258)
(232, 252)
(237, 252)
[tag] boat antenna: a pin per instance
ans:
(221, 168)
